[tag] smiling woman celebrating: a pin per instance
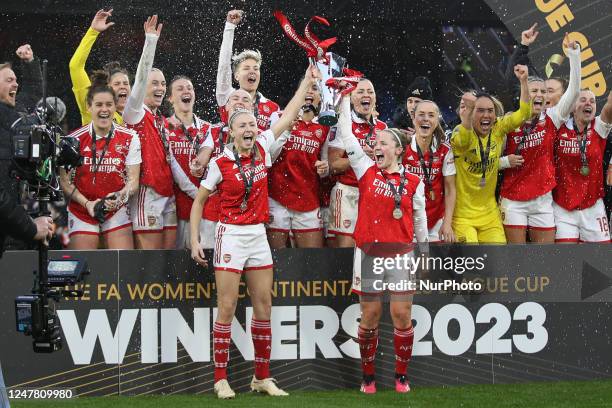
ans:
(526, 191)
(345, 194)
(239, 176)
(246, 67)
(110, 172)
(429, 157)
(477, 144)
(391, 214)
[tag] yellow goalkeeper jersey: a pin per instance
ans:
(474, 201)
(80, 79)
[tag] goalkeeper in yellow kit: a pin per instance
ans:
(477, 145)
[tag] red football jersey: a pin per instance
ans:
(110, 167)
(575, 191)
(364, 132)
(223, 175)
(536, 176)
(265, 108)
(185, 148)
(294, 181)
(155, 169)
(220, 136)
(375, 221)
(442, 164)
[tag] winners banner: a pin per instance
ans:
(144, 322)
(588, 23)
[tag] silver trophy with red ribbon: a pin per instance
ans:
(329, 64)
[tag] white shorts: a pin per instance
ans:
(537, 214)
(241, 248)
(588, 225)
(325, 221)
(282, 219)
(207, 234)
(119, 220)
(434, 232)
(343, 209)
(371, 277)
(151, 212)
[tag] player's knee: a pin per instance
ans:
(370, 316)
(226, 306)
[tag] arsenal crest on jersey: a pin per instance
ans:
(266, 109)
(227, 258)
(318, 132)
(119, 148)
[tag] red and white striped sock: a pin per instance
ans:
(368, 341)
(222, 336)
(402, 339)
(261, 332)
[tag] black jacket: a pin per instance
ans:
(14, 220)
(30, 86)
(519, 56)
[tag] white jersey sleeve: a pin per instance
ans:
(213, 176)
(448, 165)
(208, 140)
(266, 139)
(419, 215)
(335, 139)
(224, 69)
(134, 156)
(561, 112)
(277, 145)
(602, 128)
(181, 179)
(359, 161)
(134, 108)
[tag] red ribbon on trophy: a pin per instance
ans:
(314, 47)
(350, 81)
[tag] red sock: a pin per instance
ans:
(261, 332)
(222, 336)
(402, 339)
(368, 341)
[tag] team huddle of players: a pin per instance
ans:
(266, 178)
(551, 150)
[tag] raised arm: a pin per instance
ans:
(291, 111)
(78, 75)
(606, 112)
(561, 112)
(357, 158)
(134, 110)
(224, 69)
(520, 56)
(515, 119)
(30, 87)
(460, 138)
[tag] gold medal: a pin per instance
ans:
(397, 213)
(432, 195)
(243, 206)
(585, 170)
(483, 182)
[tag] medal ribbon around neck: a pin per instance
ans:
(248, 183)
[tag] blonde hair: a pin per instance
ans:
(438, 131)
(238, 59)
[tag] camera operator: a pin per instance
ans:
(14, 220)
